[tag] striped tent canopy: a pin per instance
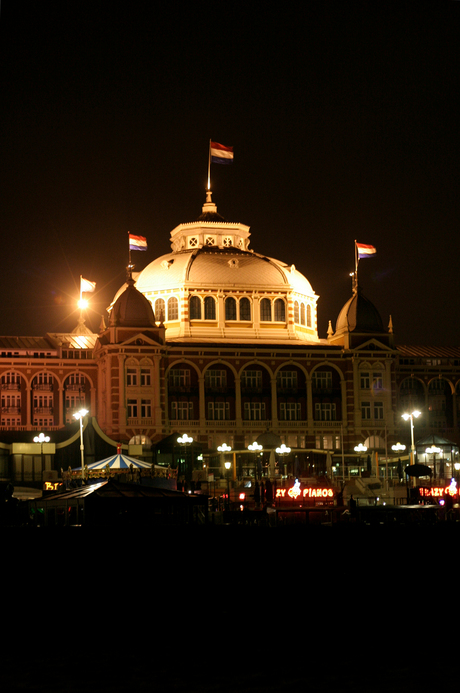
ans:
(117, 462)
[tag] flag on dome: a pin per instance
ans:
(137, 242)
(365, 250)
(220, 154)
(87, 287)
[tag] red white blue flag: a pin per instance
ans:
(220, 154)
(137, 242)
(365, 250)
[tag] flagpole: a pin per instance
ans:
(355, 278)
(209, 166)
(130, 267)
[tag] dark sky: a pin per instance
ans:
(344, 122)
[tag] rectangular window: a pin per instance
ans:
(254, 411)
(290, 411)
(325, 411)
(215, 378)
(146, 409)
(377, 381)
(365, 381)
(322, 380)
(365, 410)
(132, 409)
(145, 376)
(131, 377)
(251, 378)
(182, 411)
(218, 411)
(179, 377)
(378, 410)
(287, 380)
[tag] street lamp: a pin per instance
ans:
(433, 450)
(41, 438)
(282, 451)
(411, 416)
(185, 440)
(360, 448)
(222, 449)
(79, 416)
(256, 448)
(397, 448)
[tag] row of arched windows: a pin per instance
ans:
(237, 309)
(302, 314)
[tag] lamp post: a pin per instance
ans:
(185, 440)
(433, 450)
(360, 448)
(282, 451)
(397, 448)
(224, 448)
(256, 448)
(79, 416)
(41, 438)
(411, 416)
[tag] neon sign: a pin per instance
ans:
(439, 491)
(52, 485)
(295, 492)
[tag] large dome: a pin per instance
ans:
(212, 287)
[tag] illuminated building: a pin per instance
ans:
(220, 342)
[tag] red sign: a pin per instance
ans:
(296, 493)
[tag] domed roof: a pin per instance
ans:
(359, 315)
(132, 309)
(220, 266)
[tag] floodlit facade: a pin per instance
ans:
(220, 342)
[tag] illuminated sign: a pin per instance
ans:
(439, 491)
(52, 485)
(296, 493)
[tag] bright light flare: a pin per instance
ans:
(83, 304)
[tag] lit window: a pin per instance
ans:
(160, 312)
(308, 316)
(296, 312)
(173, 308)
(302, 314)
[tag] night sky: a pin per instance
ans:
(344, 122)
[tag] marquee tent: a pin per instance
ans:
(117, 462)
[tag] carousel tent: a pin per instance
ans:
(117, 462)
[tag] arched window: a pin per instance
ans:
(265, 310)
(302, 314)
(308, 316)
(230, 308)
(245, 309)
(209, 308)
(195, 308)
(280, 310)
(173, 308)
(160, 312)
(296, 312)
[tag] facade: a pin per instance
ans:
(220, 342)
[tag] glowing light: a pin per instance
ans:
(296, 492)
(41, 439)
(83, 304)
